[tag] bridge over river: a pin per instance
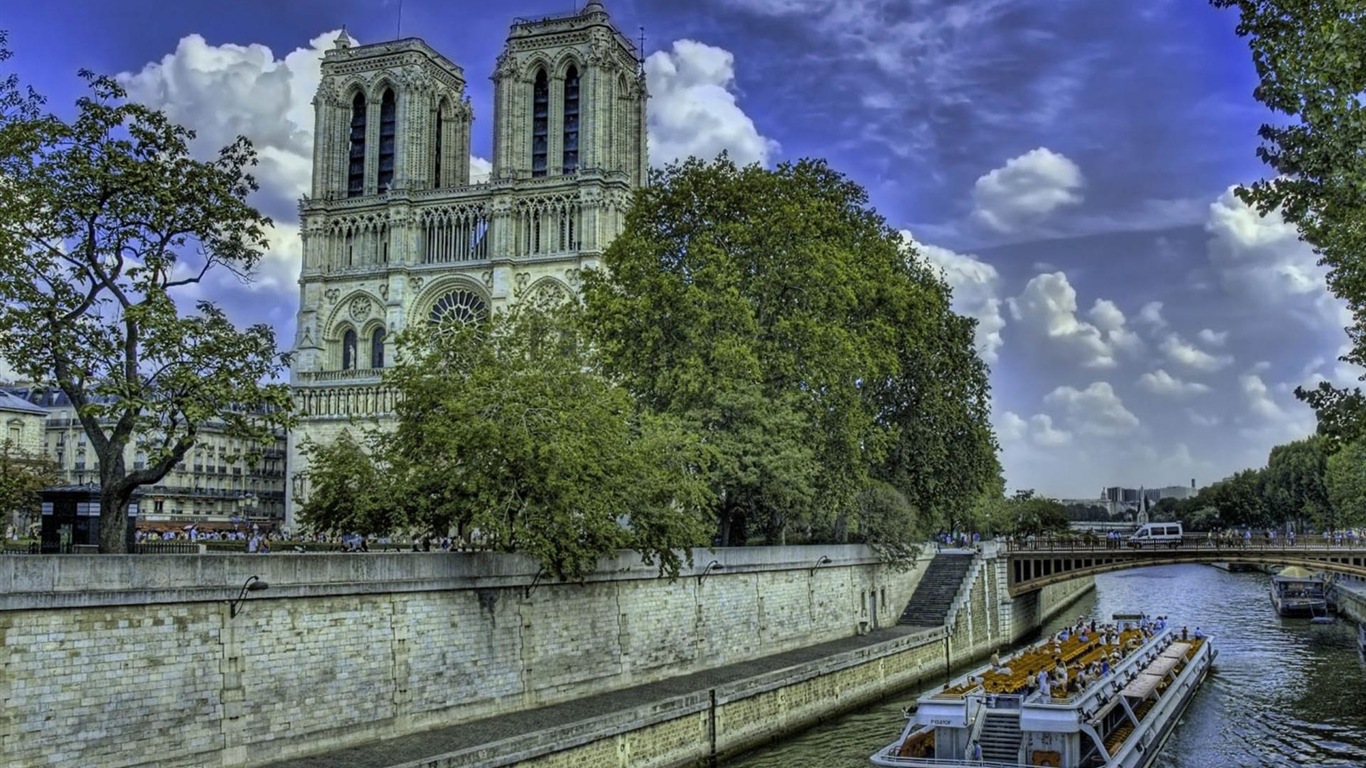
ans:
(1045, 561)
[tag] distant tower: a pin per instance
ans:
(394, 234)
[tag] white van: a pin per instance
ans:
(1156, 535)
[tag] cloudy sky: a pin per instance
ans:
(1068, 163)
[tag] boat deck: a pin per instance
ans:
(1075, 653)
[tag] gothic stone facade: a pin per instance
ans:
(395, 234)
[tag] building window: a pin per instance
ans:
(14, 434)
(377, 348)
(460, 306)
(387, 122)
(540, 123)
(571, 121)
(355, 174)
(440, 129)
(349, 351)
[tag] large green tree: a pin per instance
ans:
(777, 315)
(1308, 59)
(1293, 484)
(105, 221)
(506, 434)
(23, 475)
(1346, 483)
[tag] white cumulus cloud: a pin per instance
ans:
(1026, 190)
(1179, 351)
(1096, 410)
(1047, 309)
(1151, 315)
(1037, 430)
(1159, 382)
(694, 111)
(976, 286)
(1261, 259)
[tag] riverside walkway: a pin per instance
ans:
(503, 739)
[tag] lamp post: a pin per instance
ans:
(714, 565)
(253, 584)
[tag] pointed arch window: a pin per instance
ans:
(388, 122)
(349, 351)
(355, 171)
(540, 123)
(440, 129)
(570, 164)
(377, 348)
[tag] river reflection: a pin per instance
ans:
(1284, 692)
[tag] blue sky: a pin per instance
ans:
(1067, 162)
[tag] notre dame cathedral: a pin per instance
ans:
(394, 231)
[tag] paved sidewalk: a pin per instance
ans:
(454, 738)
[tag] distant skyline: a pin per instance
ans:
(1068, 163)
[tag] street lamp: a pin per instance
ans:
(253, 584)
(714, 565)
(822, 561)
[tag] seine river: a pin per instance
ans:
(1284, 692)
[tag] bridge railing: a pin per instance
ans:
(1088, 542)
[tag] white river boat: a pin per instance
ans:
(1113, 695)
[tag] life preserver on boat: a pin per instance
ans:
(1050, 759)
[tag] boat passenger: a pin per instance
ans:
(1184, 634)
(1104, 667)
(1198, 633)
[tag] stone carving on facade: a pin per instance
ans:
(506, 66)
(384, 291)
(360, 308)
(417, 283)
(522, 279)
(331, 295)
(414, 80)
(487, 277)
(572, 276)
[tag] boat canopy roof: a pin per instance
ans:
(1140, 687)
(1297, 573)
(1176, 650)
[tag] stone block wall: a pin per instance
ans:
(128, 661)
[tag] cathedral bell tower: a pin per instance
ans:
(396, 236)
(569, 99)
(389, 116)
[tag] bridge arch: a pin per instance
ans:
(1046, 563)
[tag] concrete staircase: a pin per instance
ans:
(929, 606)
(1001, 736)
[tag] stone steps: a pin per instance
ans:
(929, 606)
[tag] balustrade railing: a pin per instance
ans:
(1259, 543)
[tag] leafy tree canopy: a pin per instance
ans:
(1345, 479)
(105, 221)
(23, 475)
(813, 355)
(506, 436)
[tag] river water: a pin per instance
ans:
(1284, 692)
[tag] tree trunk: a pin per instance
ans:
(113, 523)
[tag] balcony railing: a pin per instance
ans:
(355, 374)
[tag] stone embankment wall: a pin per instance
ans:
(130, 661)
(741, 717)
(125, 661)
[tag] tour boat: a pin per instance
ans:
(1118, 718)
(1297, 592)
